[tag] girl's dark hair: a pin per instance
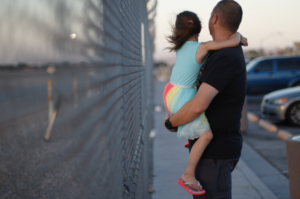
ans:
(184, 29)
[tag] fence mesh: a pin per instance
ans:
(77, 74)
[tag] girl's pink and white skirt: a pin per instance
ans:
(175, 96)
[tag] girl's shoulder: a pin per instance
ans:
(193, 43)
(188, 45)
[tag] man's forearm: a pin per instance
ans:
(195, 107)
(185, 115)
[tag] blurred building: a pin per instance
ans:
(296, 48)
(290, 51)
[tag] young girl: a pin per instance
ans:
(190, 56)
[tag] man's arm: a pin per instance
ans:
(196, 106)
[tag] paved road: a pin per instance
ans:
(25, 93)
(33, 168)
(268, 146)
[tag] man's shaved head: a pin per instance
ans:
(229, 14)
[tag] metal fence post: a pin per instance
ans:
(50, 100)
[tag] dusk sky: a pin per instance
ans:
(260, 19)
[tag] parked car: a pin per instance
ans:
(267, 74)
(282, 105)
(247, 60)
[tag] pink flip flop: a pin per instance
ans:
(186, 145)
(189, 189)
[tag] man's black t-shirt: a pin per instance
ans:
(225, 71)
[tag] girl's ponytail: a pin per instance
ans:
(187, 24)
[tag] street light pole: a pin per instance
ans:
(268, 37)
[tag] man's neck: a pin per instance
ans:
(221, 35)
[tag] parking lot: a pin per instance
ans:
(266, 143)
(254, 107)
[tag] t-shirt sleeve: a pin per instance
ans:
(218, 72)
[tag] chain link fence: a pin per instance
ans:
(76, 98)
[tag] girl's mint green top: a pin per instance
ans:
(186, 69)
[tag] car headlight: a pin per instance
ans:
(279, 101)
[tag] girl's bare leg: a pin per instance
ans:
(195, 155)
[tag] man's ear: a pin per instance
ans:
(214, 19)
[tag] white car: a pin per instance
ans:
(282, 105)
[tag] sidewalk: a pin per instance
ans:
(170, 159)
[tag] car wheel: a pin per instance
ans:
(293, 114)
(297, 84)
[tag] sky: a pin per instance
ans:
(275, 22)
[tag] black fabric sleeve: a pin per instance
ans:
(218, 72)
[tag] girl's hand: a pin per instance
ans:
(244, 41)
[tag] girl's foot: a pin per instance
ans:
(189, 189)
(187, 145)
(191, 178)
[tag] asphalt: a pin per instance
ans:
(253, 178)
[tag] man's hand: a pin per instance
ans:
(172, 130)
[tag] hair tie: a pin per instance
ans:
(191, 21)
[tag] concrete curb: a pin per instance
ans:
(274, 179)
(267, 125)
(281, 134)
(254, 181)
(251, 117)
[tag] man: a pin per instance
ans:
(221, 94)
